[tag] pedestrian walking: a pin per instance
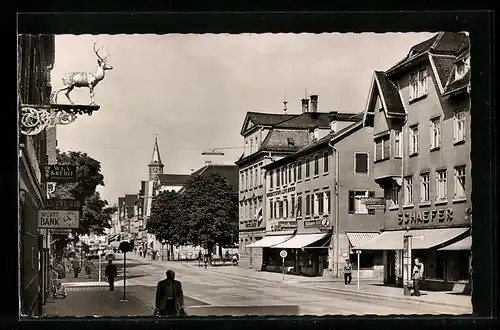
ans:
(347, 272)
(169, 297)
(89, 268)
(235, 259)
(205, 261)
(76, 267)
(111, 272)
(417, 276)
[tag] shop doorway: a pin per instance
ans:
(391, 267)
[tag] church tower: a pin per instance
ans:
(155, 165)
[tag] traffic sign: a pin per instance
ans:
(283, 254)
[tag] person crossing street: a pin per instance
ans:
(111, 272)
(347, 272)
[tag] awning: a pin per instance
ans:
(300, 241)
(357, 239)
(268, 241)
(464, 244)
(423, 238)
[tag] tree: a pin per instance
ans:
(166, 220)
(95, 215)
(210, 206)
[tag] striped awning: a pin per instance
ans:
(422, 238)
(357, 239)
(462, 245)
(269, 241)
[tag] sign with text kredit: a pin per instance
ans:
(60, 173)
(58, 219)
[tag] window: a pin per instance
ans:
(357, 202)
(398, 145)
(294, 172)
(316, 165)
(327, 207)
(280, 209)
(314, 207)
(246, 179)
(251, 146)
(271, 175)
(284, 175)
(321, 203)
(285, 208)
(393, 196)
(424, 187)
(292, 207)
(308, 168)
(325, 162)
(275, 205)
(360, 162)
(408, 184)
(435, 133)
(382, 148)
(441, 185)
(418, 84)
(299, 206)
(242, 178)
(460, 182)
(251, 178)
(257, 175)
(299, 170)
(290, 173)
(308, 205)
(459, 127)
(413, 140)
(278, 174)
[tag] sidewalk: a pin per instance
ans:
(94, 302)
(443, 298)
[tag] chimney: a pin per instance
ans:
(314, 103)
(305, 105)
(332, 118)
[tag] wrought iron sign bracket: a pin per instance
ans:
(36, 118)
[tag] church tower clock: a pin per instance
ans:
(155, 165)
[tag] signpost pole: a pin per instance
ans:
(124, 274)
(283, 268)
(99, 259)
(359, 255)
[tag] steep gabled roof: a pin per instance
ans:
(263, 119)
(173, 179)
(230, 172)
(306, 120)
(442, 66)
(285, 140)
(389, 93)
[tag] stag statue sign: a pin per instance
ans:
(35, 118)
(85, 79)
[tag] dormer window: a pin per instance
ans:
(316, 133)
(333, 126)
(291, 142)
(461, 68)
(418, 84)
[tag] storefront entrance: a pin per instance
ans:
(391, 267)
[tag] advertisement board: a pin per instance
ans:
(55, 219)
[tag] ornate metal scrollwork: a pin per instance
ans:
(35, 118)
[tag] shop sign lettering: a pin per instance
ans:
(280, 192)
(430, 216)
(58, 219)
(60, 173)
(311, 223)
(252, 223)
(284, 225)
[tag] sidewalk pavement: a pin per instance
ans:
(443, 298)
(94, 302)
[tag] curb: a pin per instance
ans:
(386, 297)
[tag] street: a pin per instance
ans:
(224, 291)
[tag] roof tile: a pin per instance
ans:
(390, 93)
(285, 140)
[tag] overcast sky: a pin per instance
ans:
(194, 91)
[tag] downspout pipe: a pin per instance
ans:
(337, 226)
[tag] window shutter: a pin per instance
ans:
(371, 194)
(351, 201)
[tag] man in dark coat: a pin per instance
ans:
(111, 272)
(169, 296)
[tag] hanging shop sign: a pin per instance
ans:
(60, 173)
(427, 216)
(374, 203)
(56, 231)
(281, 192)
(58, 219)
(63, 204)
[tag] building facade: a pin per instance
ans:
(35, 62)
(318, 212)
(420, 113)
(267, 137)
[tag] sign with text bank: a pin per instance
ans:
(56, 219)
